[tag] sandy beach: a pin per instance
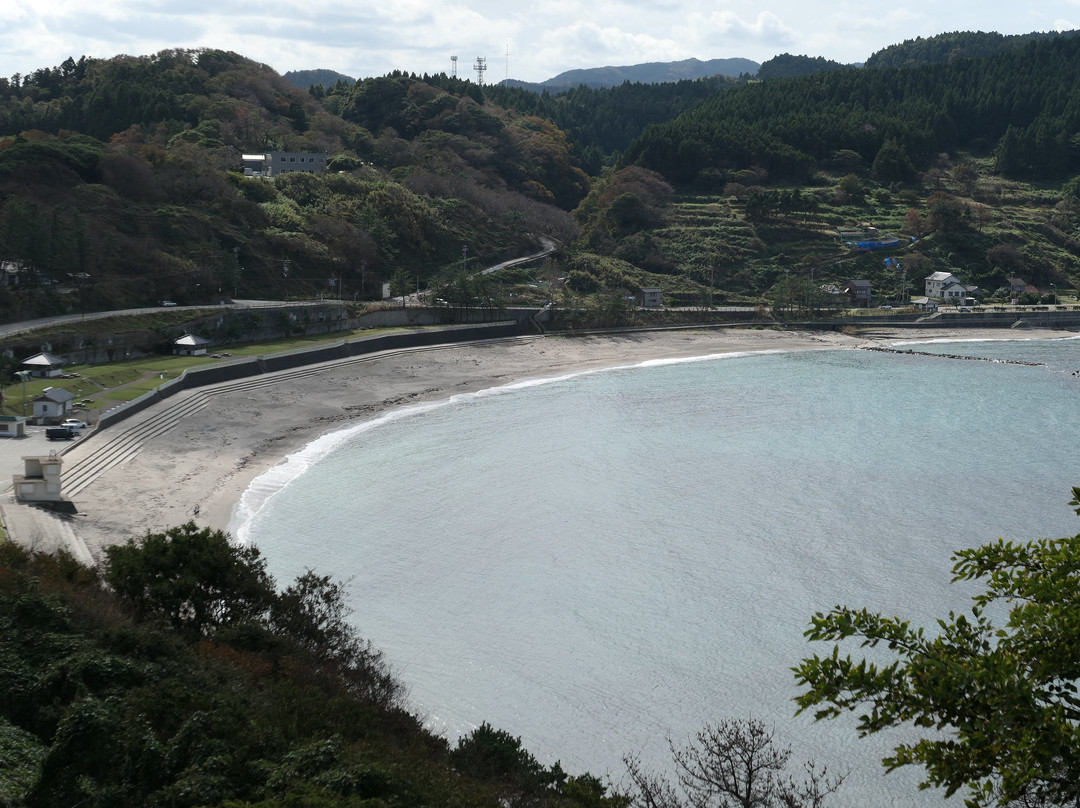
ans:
(210, 458)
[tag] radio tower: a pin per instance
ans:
(453, 67)
(480, 67)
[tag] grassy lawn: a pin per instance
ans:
(117, 382)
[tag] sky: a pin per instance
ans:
(526, 40)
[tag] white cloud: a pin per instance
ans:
(544, 38)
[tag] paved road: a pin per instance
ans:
(11, 329)
(549, 248)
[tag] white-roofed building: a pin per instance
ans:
(43, 364)
(190, 345)
(937, 282)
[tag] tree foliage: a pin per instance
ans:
(108, 167)
(996, 702)
(194, 578)
(949, 47)
(1021, 98)
(787, 66)
(103, 703)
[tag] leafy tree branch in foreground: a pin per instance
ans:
(998, 704)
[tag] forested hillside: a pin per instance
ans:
(1022, 105)
(602, 123)
(121, 180)
(951, 46)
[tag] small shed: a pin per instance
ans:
(190, 345)
(924, 303)
(53, 404)
(43, 364)
(650, 298)
(12, 426)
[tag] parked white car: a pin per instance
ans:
(75, 424)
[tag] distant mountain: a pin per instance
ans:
(306, 79)
(648, 73)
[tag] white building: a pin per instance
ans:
(270, 164)
(12, 426)
(190, 345)
(43, 364)
(54, 404)
(938, 281)
(954, 293)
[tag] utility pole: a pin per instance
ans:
(24, 375)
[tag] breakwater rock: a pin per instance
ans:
(951, 356)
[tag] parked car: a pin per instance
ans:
(167, 303)
(886, 306)
(75, 424)
(59, 433)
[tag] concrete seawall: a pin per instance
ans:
(287, 360)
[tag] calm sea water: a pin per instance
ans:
(600, 562)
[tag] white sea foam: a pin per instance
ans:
(950, 340)
(271, 482)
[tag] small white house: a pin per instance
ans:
(190, 345)
(53, 404)
(938, 281)
(44, 365)
(954, 293)
(12, 426)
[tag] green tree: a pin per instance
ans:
(194, 578)
(851, 188)
(892, 163)
(312, 612)
(520, 779)
(997, 701)
(400, 284)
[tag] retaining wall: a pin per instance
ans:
(287, 360)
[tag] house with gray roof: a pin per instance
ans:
(44, 365)
(54, 404)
